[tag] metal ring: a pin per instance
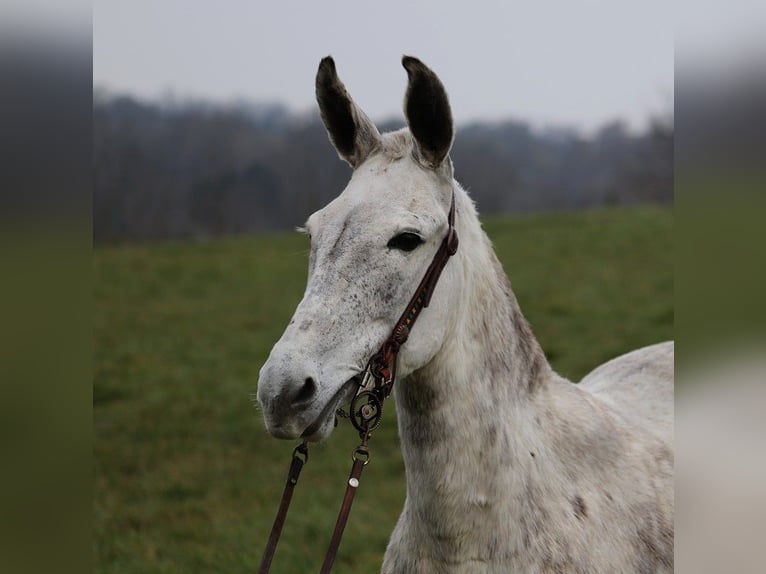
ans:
(361, 453)
(301, 452)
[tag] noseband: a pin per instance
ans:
(366, 409)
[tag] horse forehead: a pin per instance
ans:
(379, 195)
(392, 177)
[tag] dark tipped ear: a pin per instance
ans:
(351, 131)
(428, 112)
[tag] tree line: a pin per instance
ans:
(183, 170)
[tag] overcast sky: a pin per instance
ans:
(579, 63)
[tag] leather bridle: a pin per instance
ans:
(366, 409)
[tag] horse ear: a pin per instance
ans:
(428, 112)
(351, 131)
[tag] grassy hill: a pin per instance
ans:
(186, 478)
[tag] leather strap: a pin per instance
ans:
(300, 457)
(345, 510)
(382, 366)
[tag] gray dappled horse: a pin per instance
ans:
(510, 467)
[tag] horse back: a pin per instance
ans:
(639, 387)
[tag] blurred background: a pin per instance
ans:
(205, 123)
(208, 151)
(195, 129)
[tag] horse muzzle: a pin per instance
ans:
(296, 404)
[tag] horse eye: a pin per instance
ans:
(405, 241)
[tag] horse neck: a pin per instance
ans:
(462, 414)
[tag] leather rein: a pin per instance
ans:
(366, 408)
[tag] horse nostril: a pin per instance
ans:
(307, 391)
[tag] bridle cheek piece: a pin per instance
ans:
(380, 373)
(366, 408)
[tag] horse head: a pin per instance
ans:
(369, 250)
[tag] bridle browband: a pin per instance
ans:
(366, 409)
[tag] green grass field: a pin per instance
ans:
(186, 478)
